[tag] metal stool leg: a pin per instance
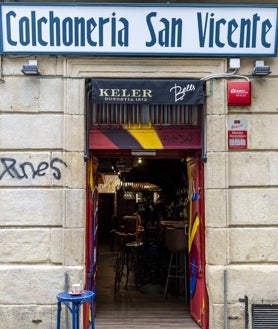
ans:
(58, 314)
(168, 275)
(73, 316)
(77, 317)
(127, 267)
(174, 269)
(92, 316)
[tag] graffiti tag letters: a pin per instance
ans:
(10, 167)
(177, 139)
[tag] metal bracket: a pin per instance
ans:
(245, 301)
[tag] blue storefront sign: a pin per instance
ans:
(139, 29)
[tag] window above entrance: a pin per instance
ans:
(143, 116)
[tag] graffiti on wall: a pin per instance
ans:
(25, 170)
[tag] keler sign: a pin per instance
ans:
(151, 91)
(139, 29)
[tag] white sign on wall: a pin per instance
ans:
(237, 134)
(139, 29)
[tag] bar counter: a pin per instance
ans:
(174, 223)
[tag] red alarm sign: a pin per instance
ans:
(239, 93)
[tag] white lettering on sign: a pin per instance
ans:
(166, 29)
(239, 92)
(115, 92)
(180, 91)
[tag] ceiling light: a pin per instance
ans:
(143, 153)
(31, 68)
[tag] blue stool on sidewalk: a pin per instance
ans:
(73, 303)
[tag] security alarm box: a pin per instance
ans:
(239, 93)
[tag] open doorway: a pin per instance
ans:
(152, 146)
(127, 185)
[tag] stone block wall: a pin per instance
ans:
(241, 206)
(42, 192)
(42, 183)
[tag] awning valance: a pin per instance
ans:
(151, 91)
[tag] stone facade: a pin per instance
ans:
(42, 183)
(241, 207)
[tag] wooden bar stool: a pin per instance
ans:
(176, 242)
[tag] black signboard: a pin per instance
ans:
(151, 91)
